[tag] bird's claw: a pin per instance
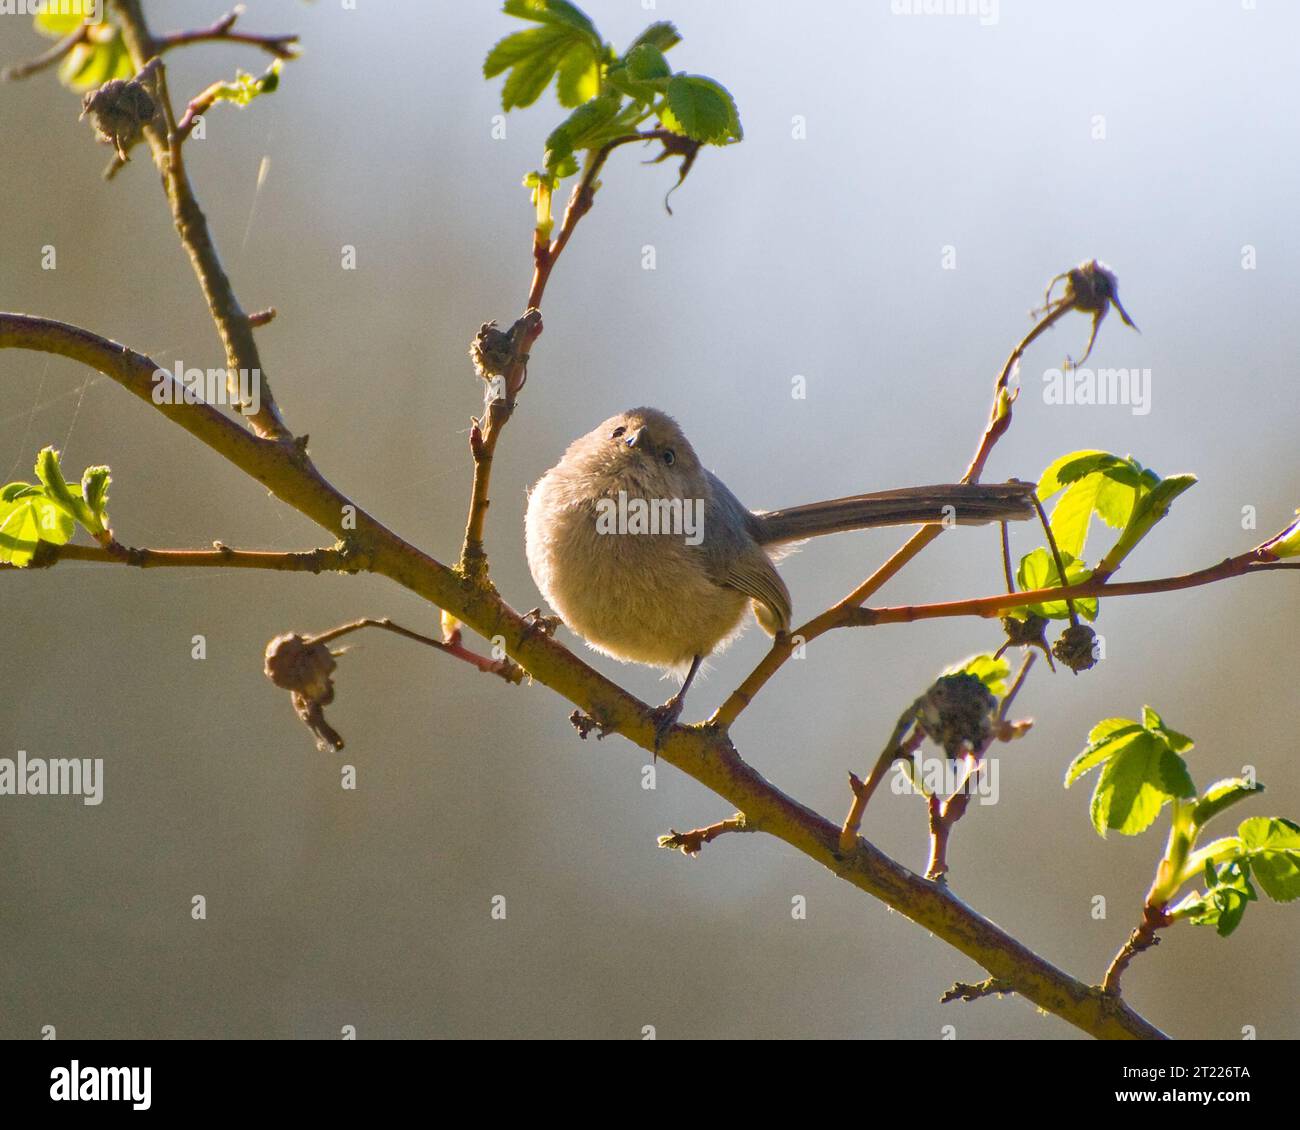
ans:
(664, 719)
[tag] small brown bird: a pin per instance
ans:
(651, 559)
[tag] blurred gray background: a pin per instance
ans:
(819, 257)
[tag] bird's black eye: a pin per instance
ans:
(669, 457)
(617, 432)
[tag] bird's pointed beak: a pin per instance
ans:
(638, 439)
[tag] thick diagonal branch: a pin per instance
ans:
(703, 754)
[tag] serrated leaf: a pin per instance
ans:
(557, 13)
(701, 109)
(1273, 848)
(566, 44)
(1038, 571)
(989, 671)
(56, 487)
(579, 78)
(27, 519)
(1137, 781)
(1150, 509)
(1222, 795)
(662, 35)
(1106, 739)
(587, 127)
(94, 492)
(1068, 469)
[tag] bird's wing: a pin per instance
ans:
(756, 576)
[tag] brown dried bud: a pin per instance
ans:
(958, 711)
(1029, 632)
(303, 667)
(119, 111)
(1075, 648)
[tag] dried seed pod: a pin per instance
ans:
(119, 111)
(1075, 648)
(957, 711)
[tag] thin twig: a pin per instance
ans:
(1244, 564)
(505, 667)
(325, 560)
(233, 325)
(281, 46)
(690, 843)
(48, 58)
(834, 617)
(1142, 938)
(897, 748)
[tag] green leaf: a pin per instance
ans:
(28, 515)
(1107, 738)
(246, 87)
(662, 35)
(1273, 848)
(579, 78)
(1224, 902)
(642, 74)
(1094, 482)
(1179, 743)
(1136, 783)
(556, 13)
(566, 44)
(1150, 509)
(1077, 465)
(646, 64)
(56, 24)
(1038, 571)
(1287, 543)
(94, 491)
(989, 671)
(1222, 795)
(91, 64)
(586, 128)
(1142, 771)
(702, 110)
(56, 487)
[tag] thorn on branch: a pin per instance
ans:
(962, 991)
(262, 317)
